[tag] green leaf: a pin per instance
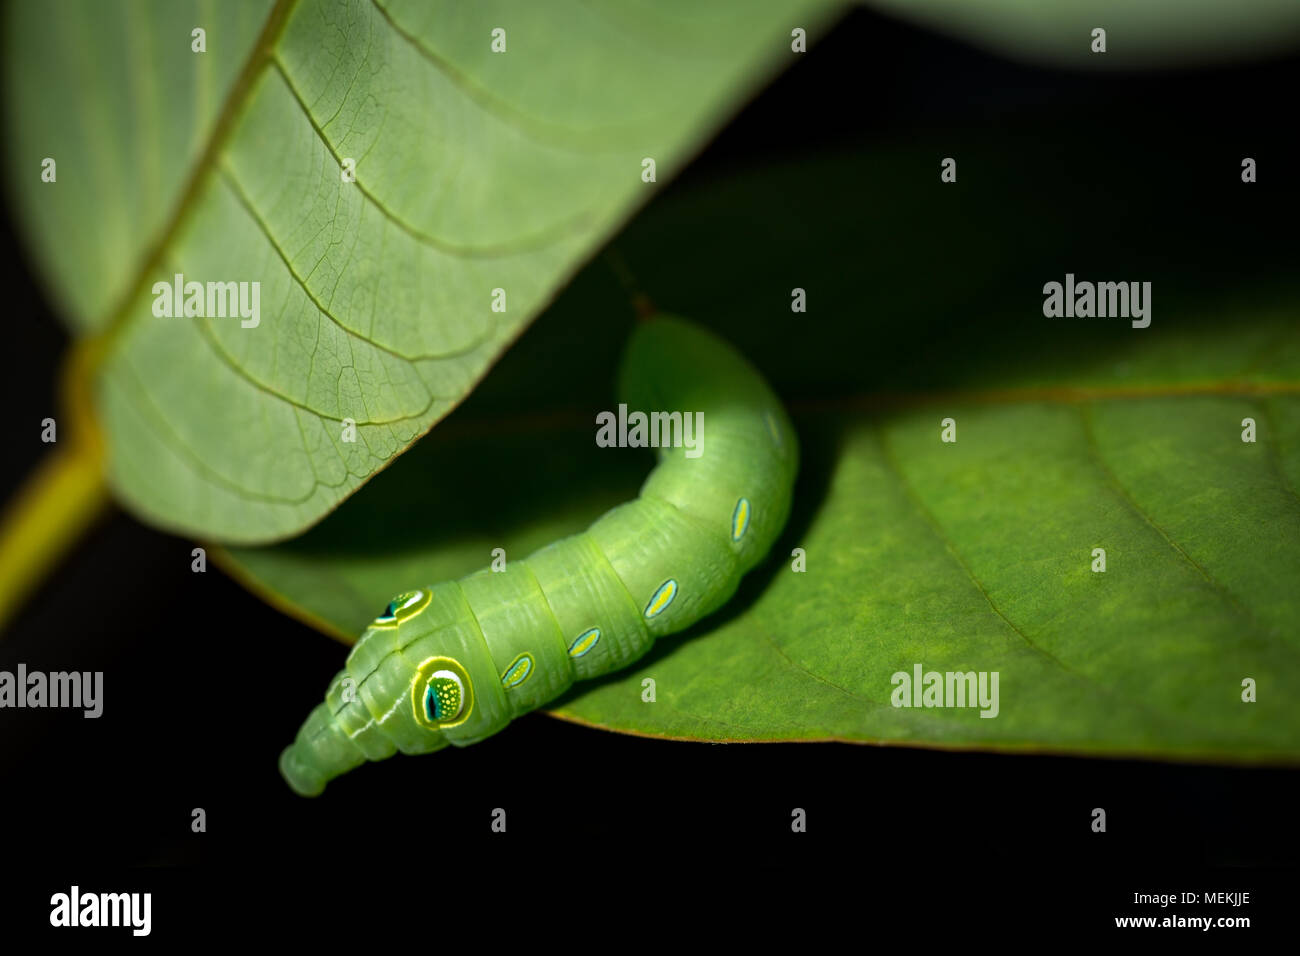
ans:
(475, 171)
(1072, 435)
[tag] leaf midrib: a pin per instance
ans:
(236, 101)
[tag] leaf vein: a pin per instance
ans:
(246, 202)
(582, 221)
(897, 472)
(1094, 450)
(538, 130)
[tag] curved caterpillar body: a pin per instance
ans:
(455, 662)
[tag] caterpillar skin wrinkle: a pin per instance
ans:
(455, 662)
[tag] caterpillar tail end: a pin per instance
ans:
(320, 752)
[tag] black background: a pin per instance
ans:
(190, 722)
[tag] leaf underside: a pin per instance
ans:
(475, 171)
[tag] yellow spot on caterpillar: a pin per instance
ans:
(584, 642)
(442, 701)
(442, 694)
(740, 519)
(661, 598)
(518, 671)
(405, 605)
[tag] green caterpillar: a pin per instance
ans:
(455, 662)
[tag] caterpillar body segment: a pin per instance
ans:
(455, 662)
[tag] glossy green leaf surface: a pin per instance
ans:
(495, 145)
(976, 555)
